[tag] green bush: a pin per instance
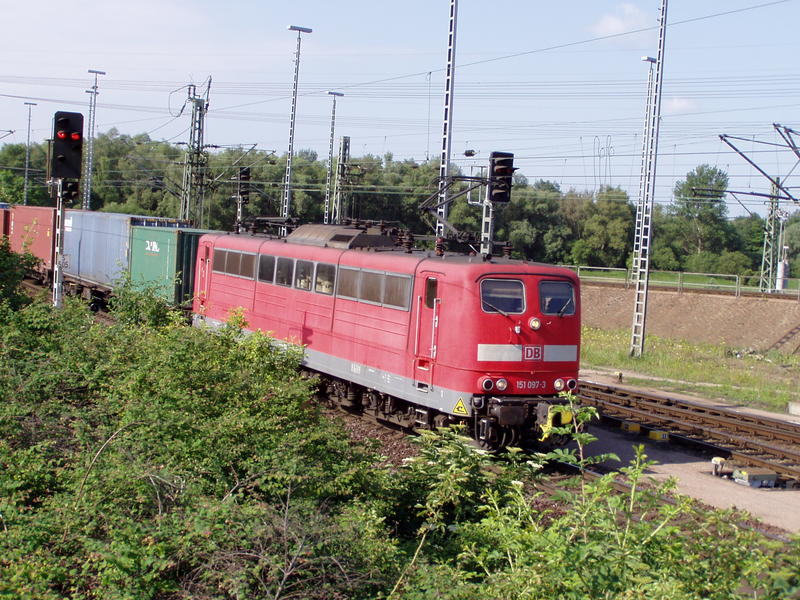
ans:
(149, 460)
(13, 269)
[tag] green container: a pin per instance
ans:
(163, 259)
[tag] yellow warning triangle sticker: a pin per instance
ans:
(460, 409)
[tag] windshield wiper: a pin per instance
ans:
(564, 308)
(502, 312)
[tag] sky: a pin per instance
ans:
(562, 85)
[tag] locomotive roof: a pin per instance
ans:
(383, 247)
(338, 236)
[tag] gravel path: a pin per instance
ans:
(778, 508)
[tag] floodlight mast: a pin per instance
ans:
(330, 157)
(447, 125)
(287, 184)
(27, 153)
(87, 186)
(644, 210)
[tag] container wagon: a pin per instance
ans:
(164, 257)
(32, 229)
(97, 249)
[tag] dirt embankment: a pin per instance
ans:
(761, 323)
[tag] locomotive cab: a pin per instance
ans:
(515, 349)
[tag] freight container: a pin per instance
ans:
(164, 258)
(32, 229)
(97, 245)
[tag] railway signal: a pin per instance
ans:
(244, 184)
(66, 159)
(501, 173)
(70, 191)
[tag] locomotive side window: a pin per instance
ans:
(284, 271)
(233, 262)
(219, 260)
(266, 268)
(503, 296)
(431, 289)
(326, 274)
(371, 287)
(556, 298)
(248, 265)
(347, 286)
(303, 273)
(397, 291)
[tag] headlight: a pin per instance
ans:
(558, 384)
(534, 323)
(486, 384)
(501, 384)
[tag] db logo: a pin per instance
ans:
(531, 353)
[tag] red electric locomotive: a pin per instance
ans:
(412, 337)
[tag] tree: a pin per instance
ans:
(702, 262)
(734, 263)
(791, 238)
(527, 219)
(700, 210)
(12, 171)
(11, 188)
(608, 232)
(748, 237)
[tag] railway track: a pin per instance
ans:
(746, 439)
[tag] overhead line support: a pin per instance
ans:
(447, 126)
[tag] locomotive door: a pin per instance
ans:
(426, 339)
(204, 275)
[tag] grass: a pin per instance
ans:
(767, 381)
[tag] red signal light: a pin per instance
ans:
(66, 151)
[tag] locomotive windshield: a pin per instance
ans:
(506, 296)
(556, 298)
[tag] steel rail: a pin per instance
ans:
(771, 425)
(761, 428)
(740, 435)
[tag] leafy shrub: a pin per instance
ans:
(148, 460)
(13, 269)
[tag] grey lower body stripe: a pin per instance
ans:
(519, 353)
(438, 398)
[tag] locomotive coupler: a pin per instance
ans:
(508, 415)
